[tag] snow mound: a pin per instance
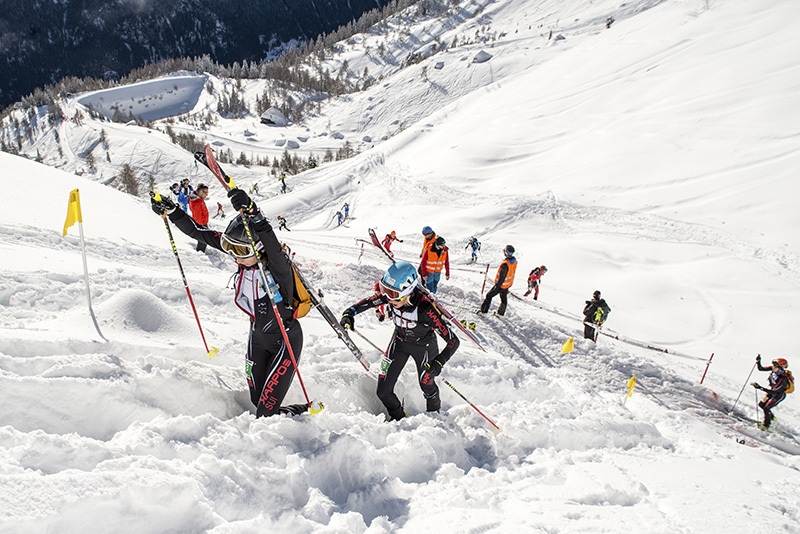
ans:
(139, 310)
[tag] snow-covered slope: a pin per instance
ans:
(650, 160)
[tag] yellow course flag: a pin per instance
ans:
(73, 210)
(568, 346)
(631, 385)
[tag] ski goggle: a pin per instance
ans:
(391, 293)
(237, 250)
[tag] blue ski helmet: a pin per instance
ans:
(399, 281)
(427, 230)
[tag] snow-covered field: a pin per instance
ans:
(652, 160)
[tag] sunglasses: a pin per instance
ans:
(237, 250)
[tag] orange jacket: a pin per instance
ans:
(427, 244)
(433, 262)
(505, 273)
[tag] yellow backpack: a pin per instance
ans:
(301, 298)
(790, 385)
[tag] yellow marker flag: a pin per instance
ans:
(568, 346)
(73, 210)
(631, 385)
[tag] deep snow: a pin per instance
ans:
(652, 160)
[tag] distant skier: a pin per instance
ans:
(282, 178)
(220, 212)
(339, 218)
(388, 240)
(534, 280)
(595, 313)
(282, 224)
(503, 281)
(417, 321)
(476, 246)
(434, 260)
(254, 189)
(779, 382)
(346, 210)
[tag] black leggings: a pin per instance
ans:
(399, 352)
(269, 367)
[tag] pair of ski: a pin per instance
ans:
(444, 311)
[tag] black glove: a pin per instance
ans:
(433, 367)
(160, 207)
(240, 200)
(348, 320)
(758, 359)
(756, 385)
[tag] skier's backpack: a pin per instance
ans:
(301, 298)
(790, 384)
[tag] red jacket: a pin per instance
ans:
(199, 210)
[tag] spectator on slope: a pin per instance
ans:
(417, 321)
(779, 382)
(533, 281)
(429, 237)
(197, 203)
(595, 312)
(268, 367)
(388, 240)
(503, 281)
(180, 197)
(434, 260)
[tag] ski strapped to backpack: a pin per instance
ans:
(330, 318)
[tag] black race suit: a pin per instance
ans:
(416, 326)
(268, 365)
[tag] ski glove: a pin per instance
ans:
(160, 207)
(240, 201)
(433, 367)
(348, 320)
(756, 385)
(758, 359)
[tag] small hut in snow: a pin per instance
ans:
(273, 117)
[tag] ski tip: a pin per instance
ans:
(213, 352)
(315, 407)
